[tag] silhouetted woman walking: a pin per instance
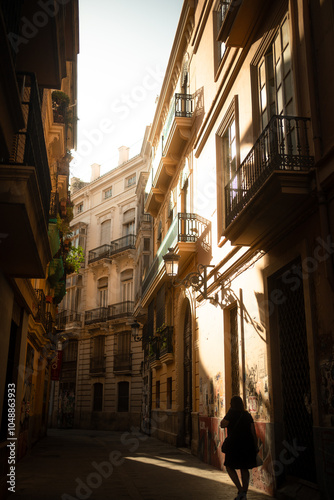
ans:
(241, 445)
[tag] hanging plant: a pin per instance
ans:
(74, 259)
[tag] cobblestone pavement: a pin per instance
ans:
(100, 465)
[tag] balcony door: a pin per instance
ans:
(275, 77)
(127, 286)
(102, 287)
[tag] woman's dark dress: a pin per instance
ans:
(243, 452)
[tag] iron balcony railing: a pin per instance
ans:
(186, 228)
(97, 365)
(182, 105)
(154, 350)
(121, 310)
(40, 315)
(115, 247)
(29, 144)
(98, 253)
(123, 362)
(166, 340)
(123, 243)
(66, 317)
(282, 146)
(98, 315)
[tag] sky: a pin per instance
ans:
(123, 54)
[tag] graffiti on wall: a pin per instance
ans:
(211, 396)
(257, 392)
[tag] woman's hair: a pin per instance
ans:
(237, 403)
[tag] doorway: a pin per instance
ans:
(291, 375)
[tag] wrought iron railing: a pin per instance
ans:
(98, 315)
(97, 365)
(29, 144)
(40, 315)
(282, 146)
(120, 310)
(166, 340)
(122, 362)
(182, 105)
(154, 349)
(186, 228)
(123, 243)
(67, 317)
(98, 253)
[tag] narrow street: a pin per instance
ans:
(80, 464)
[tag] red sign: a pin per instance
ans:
(56, 366)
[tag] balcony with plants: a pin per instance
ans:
(272, 185)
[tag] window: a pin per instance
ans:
(129, 222)
(275, 84)
(169, 393)
(147, 244)
(124, 343)
(220, 12)
(107, 193)
(227, 142)
(127, 285)
(79, 208)
(97, 396)
(105, 232)
(98, 347)
(123, 397)
(70, 352)
(130, 181)
(157, 394)
(102, 289)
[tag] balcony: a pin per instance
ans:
(98, 315)
(116, 248)
(271, 186)
(123, 363)
(166, 345)
(97, 366)
(67, 319)
(237, 19)
(175, 134)
(40, 314)
(188, 232)
(121, 310)
(99, 253)
(25, 188)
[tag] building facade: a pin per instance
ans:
(35, 140)
(241, 182)
(100, 384)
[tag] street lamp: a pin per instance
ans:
(197, 279)
(135, 331)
